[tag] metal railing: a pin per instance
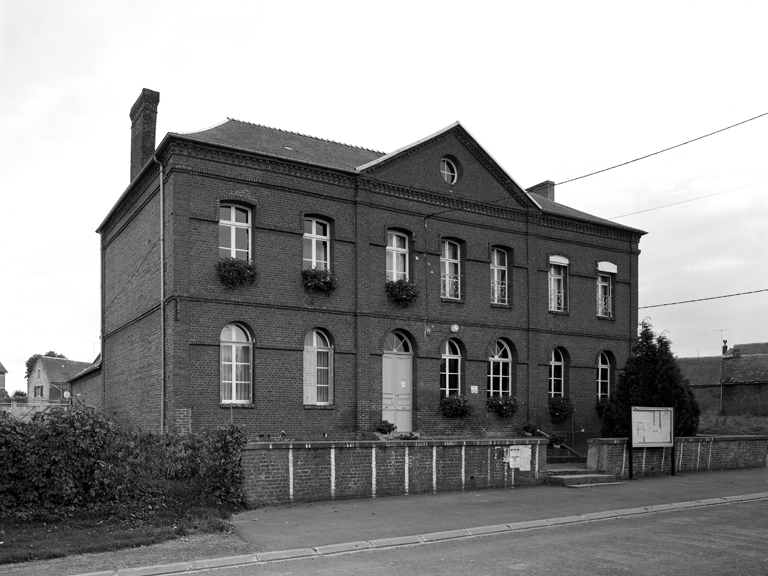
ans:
(450, 286)
(498, 292)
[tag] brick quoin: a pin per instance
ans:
(361, 200)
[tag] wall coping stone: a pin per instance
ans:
(392, 443)
(680, 439)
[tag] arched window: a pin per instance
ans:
(235, 346)
(604, 375)
(398, 343)
(316, 244)
(498, 276)
(450, 369)
(234, 232)
(499, 369)
(448, 170)
(557, 373)
(318, 368)
(397, 256)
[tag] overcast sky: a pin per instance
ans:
(552, 90)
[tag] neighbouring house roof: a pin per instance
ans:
(61, 370)
(93, 367)
(289, 145)
(701, 371)
(2, 369)
(749, 369)
(749, 349)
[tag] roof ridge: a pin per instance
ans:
(307, 136)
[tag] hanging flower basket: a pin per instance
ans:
(234, 271)
(402, 292)
(560, 408)
(504, 406)
(455, 406)
(319, 280)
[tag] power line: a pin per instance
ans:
(665, 150)
(684, 201)
(702, 299)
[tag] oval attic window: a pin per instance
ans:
(448, 170)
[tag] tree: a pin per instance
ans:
(19, 396)
(651, 377)
(32, 359)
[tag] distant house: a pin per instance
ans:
(3, 372)
(49, 378)
(734, 383)
(87, 385)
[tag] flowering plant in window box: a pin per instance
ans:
(319, 280)
(529, 428)
(455, 406)
(504, 406)
(560, 408)
(235, 271)
(401, 292)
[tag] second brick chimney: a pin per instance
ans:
(143, 123)
(546, 190)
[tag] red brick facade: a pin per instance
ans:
(404, 192)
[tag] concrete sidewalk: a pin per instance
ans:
(312, 529)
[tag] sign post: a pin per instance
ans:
(652, 428)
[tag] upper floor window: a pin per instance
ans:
(397, 256)
(605, 274)
(234, 232)
(316, 244)
(556, 373)
(450, 270)
(499, 369)
(498, 276)
(558, 284)
(318, 368)
(450, 369)
(448, 170)
(235, 347)
(604, 374)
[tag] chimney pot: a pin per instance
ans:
(143, 123)
(545, 189)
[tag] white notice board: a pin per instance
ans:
(518, 457)
(652, 427)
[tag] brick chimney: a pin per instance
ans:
(546, 190)
(143, 122)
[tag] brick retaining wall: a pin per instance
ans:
(276, 473)
(692, 454)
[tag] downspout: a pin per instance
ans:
(162, 296)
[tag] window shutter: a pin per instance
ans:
(310, 375)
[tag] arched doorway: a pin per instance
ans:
(397, 382)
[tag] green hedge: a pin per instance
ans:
(78, 458)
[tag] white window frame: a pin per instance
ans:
(450, 271)
(316, 239)
(450, 379)
(556, 373)
(448, 170)
(499, 276)
(499, 360)
(228, 388)
(558, 283)
(605, 295)
(604, 369)
(232, 226)
(318, 374)
(397, 254)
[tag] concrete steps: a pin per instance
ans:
(564, 456)
(579, 477)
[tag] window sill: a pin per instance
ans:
(560, 312)
(319, 407)
(451, 300)
(228, 406)
(498, 305)
(606, 318)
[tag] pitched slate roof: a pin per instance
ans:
(752, 348)
(2, 369)
(289, 145)
(92, 367)
(750, 367)
(701, 371)
(62, 369)
(552, 207)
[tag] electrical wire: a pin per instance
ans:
(702, 299)
(665, 150)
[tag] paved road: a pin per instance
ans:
(713, 541)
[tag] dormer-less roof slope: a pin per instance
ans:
(283, 144)
(62, 369)
(701, 371)
(2, 369)
(552, 207)
(749, 369)
(93, 367)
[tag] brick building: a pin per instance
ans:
(517, 294)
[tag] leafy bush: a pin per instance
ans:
(385, 427)
(455, 406)
(319, 280)
(556, 439)
(77, 459)
(504, 406)
(234, 272)
(530, 427)
(19, 396)
(651, 377)
(402, 292)
(560, 408)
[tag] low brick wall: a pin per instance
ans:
(276, 473)
(692, 454)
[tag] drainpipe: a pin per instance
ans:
(162, 296)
